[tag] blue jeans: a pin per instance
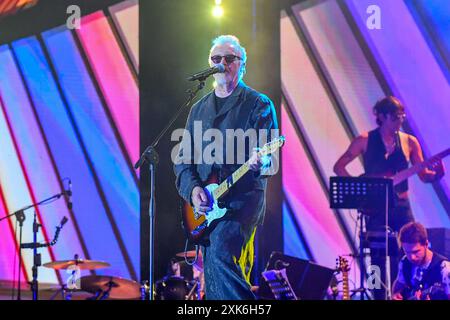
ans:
(228, 260)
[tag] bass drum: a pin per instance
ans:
(175, 288)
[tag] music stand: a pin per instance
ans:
(279, 284)
(364, 193)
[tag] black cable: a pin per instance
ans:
(194, 261)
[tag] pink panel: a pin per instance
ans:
(312, 108)
(8, 247)
(114, 77)
(309, 201)
(343, 61)
(415, 77)
(17, 193)
(126, 18)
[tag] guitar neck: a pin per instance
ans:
(425, 292)
(345, 287)
(405, 174)
(231, 180)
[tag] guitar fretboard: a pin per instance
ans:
(405, 174)
(345, 288)
(242, 170)
(231, 180)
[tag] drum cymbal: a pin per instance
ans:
(82, 264)
(117, 288)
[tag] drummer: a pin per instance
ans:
(183, 270)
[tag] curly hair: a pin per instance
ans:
(387, 105)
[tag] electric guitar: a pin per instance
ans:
(344, 268)
(436, 291)
(401, 176)
(195, 224)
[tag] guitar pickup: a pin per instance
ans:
(199, 229)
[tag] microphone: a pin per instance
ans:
(69, 195)
(202, 75)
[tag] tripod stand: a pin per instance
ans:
(20, 216)
(364, 194)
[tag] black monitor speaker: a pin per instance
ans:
(308, 280)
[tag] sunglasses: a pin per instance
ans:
(396, 116)
(229, 58)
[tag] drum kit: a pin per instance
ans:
(185, 282)
(93, 287)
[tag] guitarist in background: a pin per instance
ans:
(228, 252)
(420, 269)
(385, 151)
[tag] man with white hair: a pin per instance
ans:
(228, 250)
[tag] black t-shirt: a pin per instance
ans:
(220, 102)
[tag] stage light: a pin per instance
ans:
(217, 11)
(9, 7)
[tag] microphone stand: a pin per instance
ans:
(37, 256)
(151, 156)
(36, 259)
(20, 217)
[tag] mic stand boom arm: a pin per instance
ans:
(56, 196)
(147, 154)
(20, 216)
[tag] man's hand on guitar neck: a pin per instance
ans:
(436, 170)
(200, 200)
(256, 162)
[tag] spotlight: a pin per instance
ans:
(217, 11)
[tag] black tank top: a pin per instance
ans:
(376, 163)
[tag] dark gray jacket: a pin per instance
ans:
(244, 109)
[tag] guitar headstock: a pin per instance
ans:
(342, 264)
(272, 146)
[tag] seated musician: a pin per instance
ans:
(422, 273)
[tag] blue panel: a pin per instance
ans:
(293, 244)
(35, 157)
(417, 79)
(114, 173)
(435, 17)
(71, 162)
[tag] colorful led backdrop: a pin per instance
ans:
(333, 69)
(69, 108)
